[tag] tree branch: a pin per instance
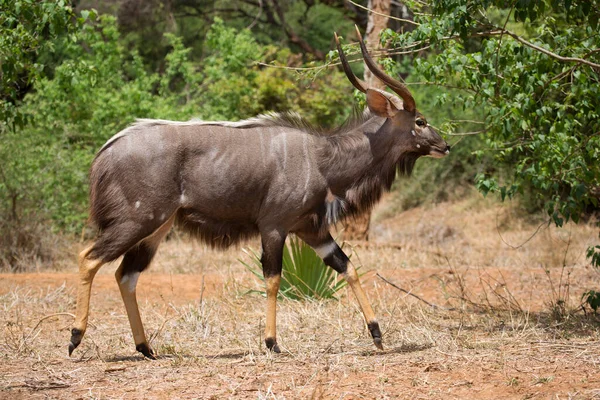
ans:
(294, 38)
(548, 52)
(408, 21)
(434, 306)
(257, 18)
(499, 32)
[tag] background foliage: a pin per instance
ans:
(531, 69)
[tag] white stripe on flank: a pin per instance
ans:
(284, 150)
(325, 249)
(306, 157)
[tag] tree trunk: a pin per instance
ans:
(358, 228)
(376, 24)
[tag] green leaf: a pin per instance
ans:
(593, 20)
(592, 299)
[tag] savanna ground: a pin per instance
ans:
(496, 331)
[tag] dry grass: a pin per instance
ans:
(499, 341)
(30, 246)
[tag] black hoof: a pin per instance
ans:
(76, 336)
(375, 334)
(146, 351)
(272, 345)
(378, 344)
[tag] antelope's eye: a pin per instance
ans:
(421, 122)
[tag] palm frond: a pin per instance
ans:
(304, 275)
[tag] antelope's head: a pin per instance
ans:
(416, 135)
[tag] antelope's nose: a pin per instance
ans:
(447, 148)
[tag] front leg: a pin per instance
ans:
(272, 246)
(334, 257)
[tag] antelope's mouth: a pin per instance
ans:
(437, 153)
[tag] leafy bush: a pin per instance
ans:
(26, 29)
(592, 299)
(304, 276)
(97, 88)
(540, 109)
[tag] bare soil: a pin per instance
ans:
(506, 321)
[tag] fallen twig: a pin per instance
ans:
(115, 369)
(50, 316)
(45, 385)
(38, 324)
(434, 306)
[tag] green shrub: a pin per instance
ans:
(304, 276)
(592, 299)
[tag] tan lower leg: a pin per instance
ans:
(352, 278)
(354, 283)
(273, 283)
(127, 286)
(87, 272)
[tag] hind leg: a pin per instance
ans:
(113, 242)
(135, 261)
(87, 271)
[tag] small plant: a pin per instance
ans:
(304, 274)
(514, 381)
(592, 299)
(542, 380)
(593, 254)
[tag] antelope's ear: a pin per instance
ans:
(383, 104)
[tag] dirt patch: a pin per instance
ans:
(492, 334)
(175, 289)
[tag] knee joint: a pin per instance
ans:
(351, 275)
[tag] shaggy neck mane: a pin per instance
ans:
(367, 155)
(295, 121)
(367, 190)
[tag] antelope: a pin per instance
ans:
(224, 182)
